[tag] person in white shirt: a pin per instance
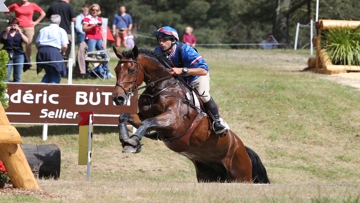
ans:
(129, 39)
(52, 43)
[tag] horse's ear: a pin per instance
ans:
(135, 52)
(117, 52)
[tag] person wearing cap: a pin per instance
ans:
(192, 68)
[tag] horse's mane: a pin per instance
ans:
(159, 57)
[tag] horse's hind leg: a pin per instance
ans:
(206, 172)
(239, 166)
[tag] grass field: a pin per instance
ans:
(304, 128)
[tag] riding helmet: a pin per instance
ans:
(166, 32)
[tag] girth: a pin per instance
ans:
(181, 142)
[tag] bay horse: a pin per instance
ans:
(167, 111)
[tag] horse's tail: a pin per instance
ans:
(259, 174)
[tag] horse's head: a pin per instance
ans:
(129, 75)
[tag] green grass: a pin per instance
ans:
(304, 128)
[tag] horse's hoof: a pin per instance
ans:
(128, 149)
(134, 141)
(131, 149)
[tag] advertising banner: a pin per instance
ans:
(61, 103)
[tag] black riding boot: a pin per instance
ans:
(218, 126)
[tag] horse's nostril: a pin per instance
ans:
(120, 99)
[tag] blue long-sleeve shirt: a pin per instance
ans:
(78, 23)
(119, 21)
(190, 59)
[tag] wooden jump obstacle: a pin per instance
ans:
(323, 63)
(12, 155)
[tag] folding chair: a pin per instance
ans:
(96, 59)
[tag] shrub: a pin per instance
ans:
(343, 45)
(4, 59)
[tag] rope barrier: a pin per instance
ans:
(39, 62)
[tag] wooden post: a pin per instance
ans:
(12, 155)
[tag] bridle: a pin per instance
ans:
(138, 68)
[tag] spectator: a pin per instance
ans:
(188, 37)
(270, 42)
(52, 43)
(78, 24)
(95, 37)
(129, 40)
(12, 38)
(121, 23)
(24, 11)
(67, 14)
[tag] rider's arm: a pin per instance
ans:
(193, 61)
(191, 71)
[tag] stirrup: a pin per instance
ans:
(223, 123)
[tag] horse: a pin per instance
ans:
(166, 112)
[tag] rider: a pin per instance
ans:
(194, 70)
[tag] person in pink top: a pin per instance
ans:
(24, 11)
(188, 37)
(94, 35)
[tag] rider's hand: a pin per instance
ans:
(175, 71)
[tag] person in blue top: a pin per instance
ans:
(122, 23)
(192, 68)
(270, 42)
(79, 23)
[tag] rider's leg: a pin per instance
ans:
(218, 125)
(202, 84)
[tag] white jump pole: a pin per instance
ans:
(90, 134)
(296, 36)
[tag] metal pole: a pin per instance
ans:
(311, 37)
(89, 147)
(70, 68)
(72, 41)
(45, 132)
(317, 11)
(296, 35)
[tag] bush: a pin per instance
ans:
(343, 45)
(4, 59)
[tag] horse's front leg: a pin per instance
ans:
(134, 120)
(161, 121)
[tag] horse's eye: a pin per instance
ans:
(131, 71)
